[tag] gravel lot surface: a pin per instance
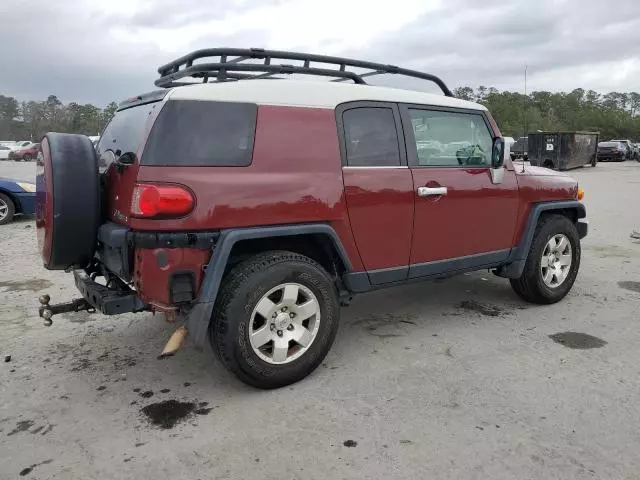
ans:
(452, 379)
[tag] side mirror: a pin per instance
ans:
(497, 157)
(497, 161)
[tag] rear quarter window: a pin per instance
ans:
(202, 133)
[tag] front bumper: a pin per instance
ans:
(106, 300)
(26, 202)
(604, 156)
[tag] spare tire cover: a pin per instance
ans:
(67, 201)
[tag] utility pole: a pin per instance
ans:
(526, 126)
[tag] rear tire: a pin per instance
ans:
(67, 201)
(7, 209)
(237, 321)
(27, 157)
(531, 285)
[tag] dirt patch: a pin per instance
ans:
(387, 325)
(580, 341)
(481, 308)
(631, 286)
(611, 251)
(21, 426)
(25, 285)
(169, 413)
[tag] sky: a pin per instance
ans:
(97, 51)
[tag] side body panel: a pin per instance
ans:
(295, 178)
(536, 185)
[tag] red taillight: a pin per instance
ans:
(160, 201)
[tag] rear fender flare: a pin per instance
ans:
(199, 317)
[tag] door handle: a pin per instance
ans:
(430, 191)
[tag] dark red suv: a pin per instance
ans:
(248, 208)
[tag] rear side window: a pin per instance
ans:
(371, 137)
(202, 133)
(125, 131)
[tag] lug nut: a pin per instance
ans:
(284, 309)
(290, 327)
(272, 327)
(274, 315)
(279, 333)
(291, 315)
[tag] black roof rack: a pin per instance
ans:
(233, 65)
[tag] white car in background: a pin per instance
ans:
(4, 152)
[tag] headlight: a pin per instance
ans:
(27, 187)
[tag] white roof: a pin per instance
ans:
(302, 93)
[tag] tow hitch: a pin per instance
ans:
(47, 311)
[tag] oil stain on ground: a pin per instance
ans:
(481, 308)
(168, 413)
(631, 286)
(580, 341)
(25, 285)
(29, 469)
(21, 426)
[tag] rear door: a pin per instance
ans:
(378, 187)
(462, 219)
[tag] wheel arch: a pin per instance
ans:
(572, 209)
(317, 240)
(16, 202)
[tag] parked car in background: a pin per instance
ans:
(27, 153)
(4, 152)
(612, 151)
(520, 149)
(630, 150)
(23, 144)
(16, 198)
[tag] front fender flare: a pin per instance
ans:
(518, 256)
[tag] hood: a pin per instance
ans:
(538, 172)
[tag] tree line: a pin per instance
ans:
(614, 115)
(31, 120)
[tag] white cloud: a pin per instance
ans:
(98, 51)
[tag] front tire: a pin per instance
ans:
(275, 319)
(27, 157)
(552, 263)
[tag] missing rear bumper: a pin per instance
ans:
(107, 301)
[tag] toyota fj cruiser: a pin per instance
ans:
(248, 209)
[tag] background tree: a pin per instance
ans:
(613, 114)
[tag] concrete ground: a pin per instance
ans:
(455, 379)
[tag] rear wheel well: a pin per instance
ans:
(547, 163)
(316, 246)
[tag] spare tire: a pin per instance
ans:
(67, 201)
